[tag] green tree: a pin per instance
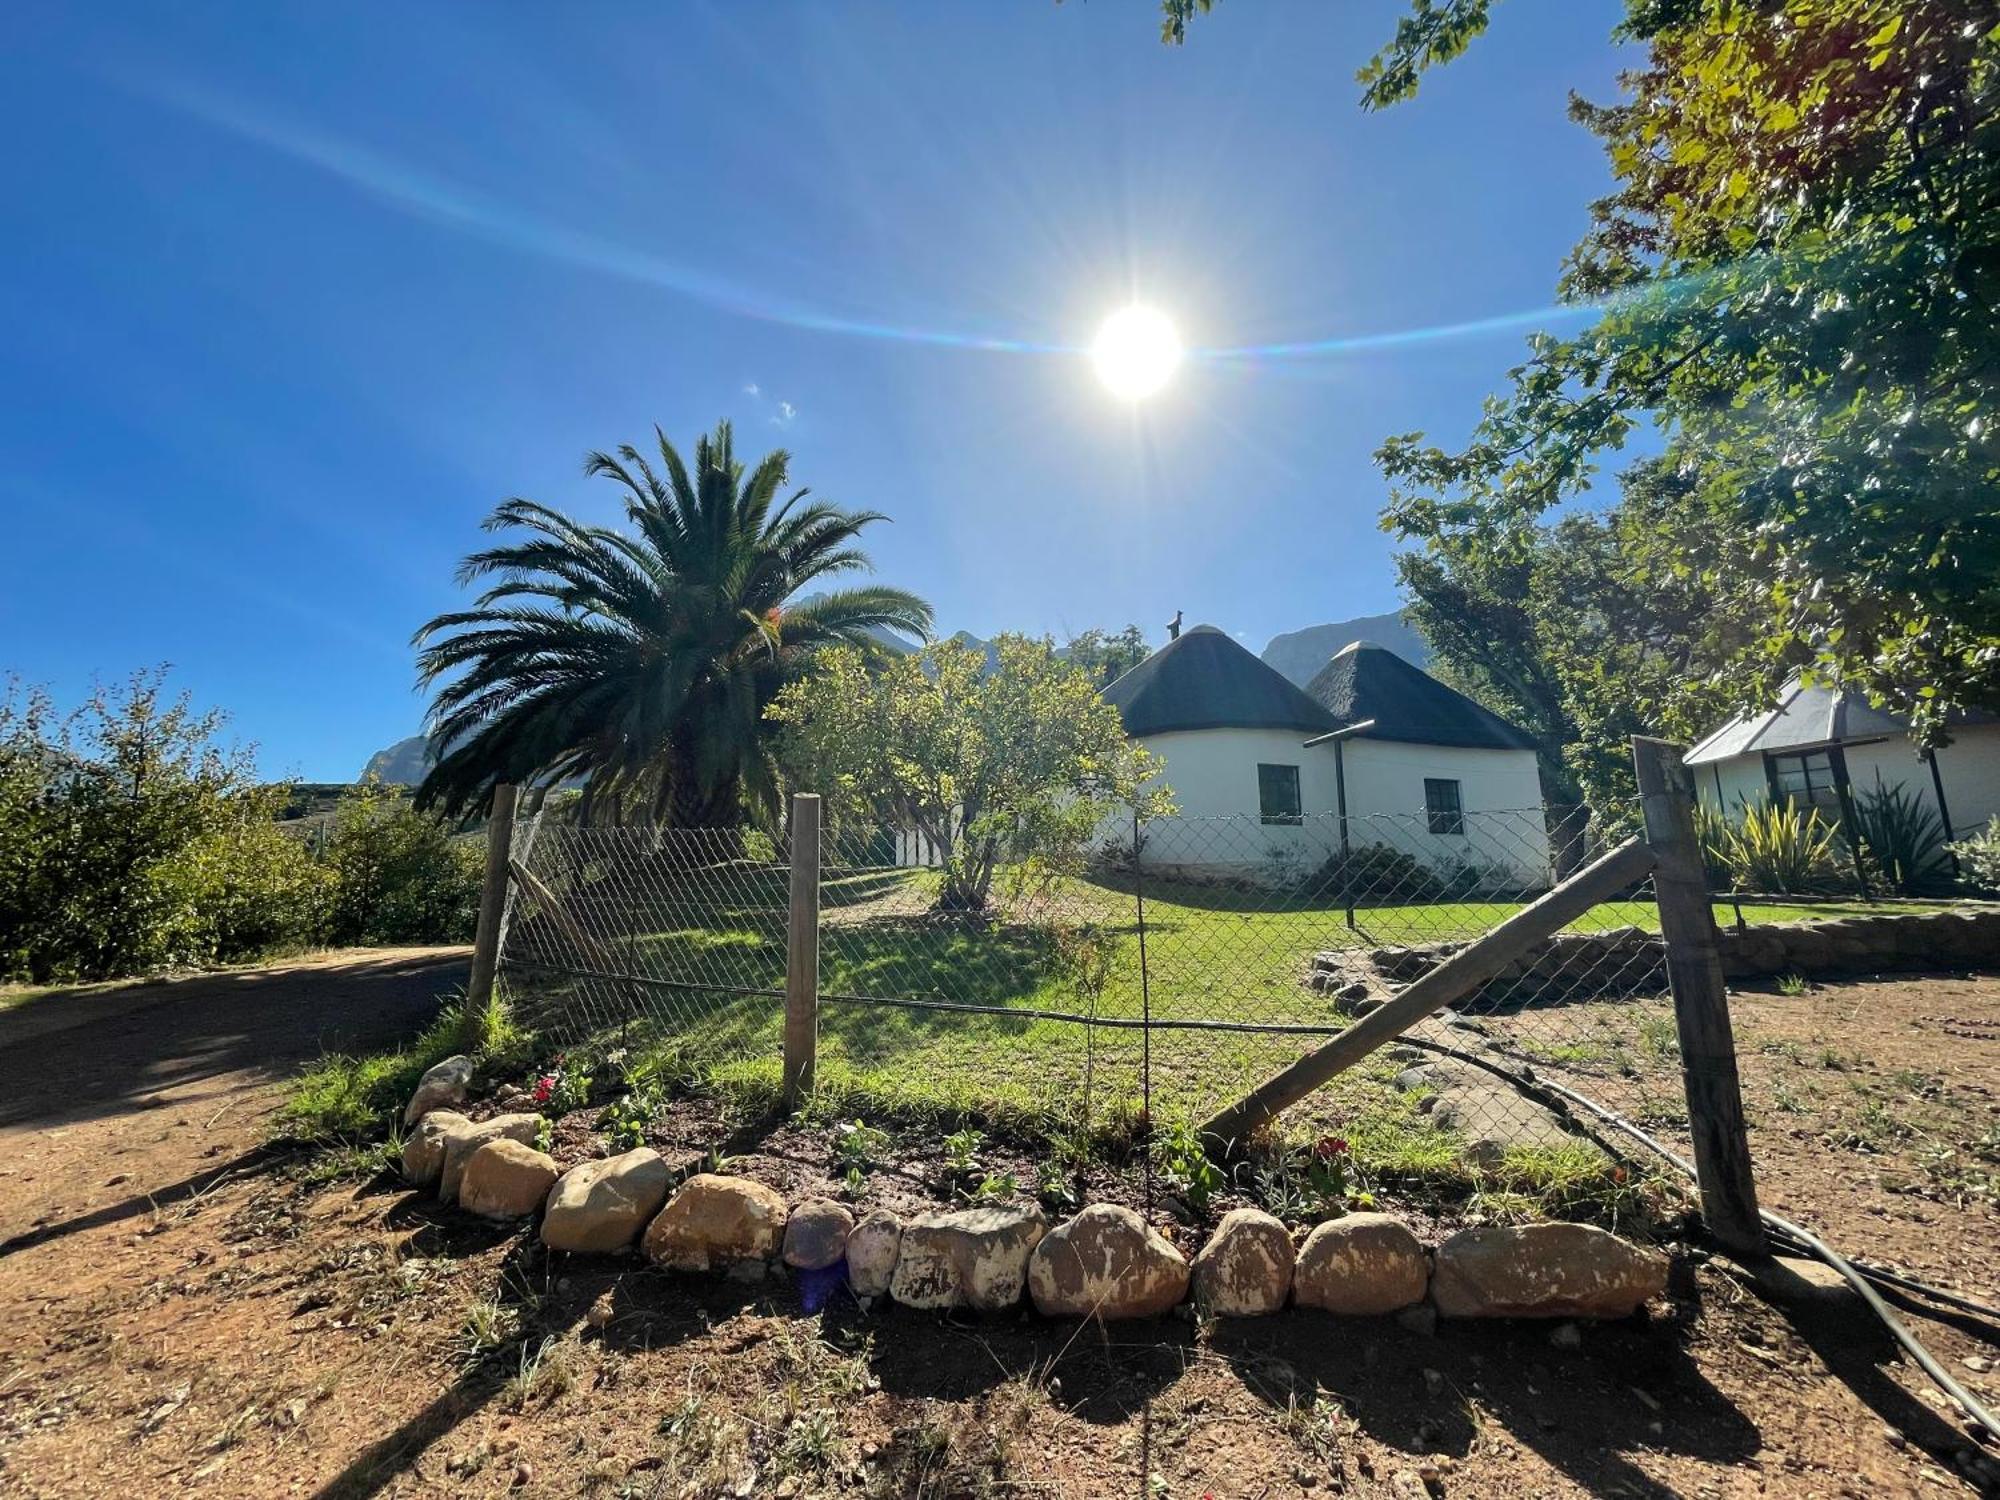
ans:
(399, 874)
(132, 839)
(643, 659)
(1021, 763)
(1105, 656)
(1797, 280)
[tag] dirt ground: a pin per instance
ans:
(183, 1308)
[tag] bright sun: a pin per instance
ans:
(1137, 352)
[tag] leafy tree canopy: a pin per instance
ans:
(1798, 278)
(1024, 762)
(642, 659)
(1105, 656)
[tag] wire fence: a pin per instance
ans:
(1169, 968)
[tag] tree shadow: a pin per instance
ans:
(119, 1048)
(152, 1200)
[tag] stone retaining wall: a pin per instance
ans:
(1632, 961)
(1105, 1262)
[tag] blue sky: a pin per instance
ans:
(292, 296)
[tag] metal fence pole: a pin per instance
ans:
(1701, 1003)
(802, 952)
(492, 914)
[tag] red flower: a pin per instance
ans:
(1330, 1146)
(545, 1088)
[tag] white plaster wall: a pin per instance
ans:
(1969, 766)
(1213, 774)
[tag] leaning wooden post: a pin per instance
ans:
(802, 952)
(492, 912)
(1701, 1004)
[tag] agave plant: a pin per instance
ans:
(1901, 838)
(641, 660)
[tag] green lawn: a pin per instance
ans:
(1211, 955)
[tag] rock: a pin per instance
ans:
(1567, 1337)
(600, 1207)
(462, 1140)
(1493, 1118)
(871, 1252)
(423, 1152)
(1106, 1263)
(1361, 1265)
(816, 1235)
(974, 1257)
(443, 1084)
(1245, 1269)
(1544, 1271)
(717, 1222)
(1802, 1280)
(602, 1312)
(506, 1180)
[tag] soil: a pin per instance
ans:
(185, 1308)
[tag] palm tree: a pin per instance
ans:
(642, 660)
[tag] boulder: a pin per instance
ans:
(462, 1140)
(506, 1180)
(442, 1084)
(1544, 1271)
(1361, 1265)
(973, 1257)
(423, 1152)
(1106, 1263)
(717, 1222)
(1245, 1269)
(816, 1234)
(600, 1207)
(871, 1252)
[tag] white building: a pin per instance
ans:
(1823, 748)
(1374, 751)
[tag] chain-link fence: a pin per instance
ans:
(1174, 965)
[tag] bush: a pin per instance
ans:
(1779, 849)
(1901, 839)
(1377, 875)
(1979, 857)
(399, 875)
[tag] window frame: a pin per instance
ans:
(1442, 820)
(1297, 816)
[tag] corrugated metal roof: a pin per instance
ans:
(1808, 718)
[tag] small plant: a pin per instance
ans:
(1660, 1037)
(858, 1147)
(545, 1135)
(1327, 1173)
(1178, 1152)
(1902, 841)
(961, 1150)
(1055, 1187)
(1979, 857)
(564, 1087)
(1780, 848)
(627, 1119)
(993, 1186)
(1793, 985)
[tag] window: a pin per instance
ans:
(1807, 781)
(1443, 809)
(1278, 794)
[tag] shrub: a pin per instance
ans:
(1901, 839)
(1377, 875)
(1780, 848)
(1979, 857)
(399, 875)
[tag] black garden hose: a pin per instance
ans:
(1529, 1081)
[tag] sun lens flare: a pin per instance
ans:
(1136, 352)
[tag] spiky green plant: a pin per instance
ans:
(642, 659)
(1780, 847)
(1901, 839)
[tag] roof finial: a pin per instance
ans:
(1174, 627)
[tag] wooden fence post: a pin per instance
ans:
(802, 952)
(492, 911)
(1701, 1004)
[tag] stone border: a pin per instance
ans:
(1591, 963)
(1104, 1262)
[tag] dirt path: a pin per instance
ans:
(136, 1095)
(181, 1314)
